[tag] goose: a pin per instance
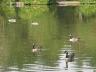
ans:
(69, 57)
(74, 39)
(35, 48)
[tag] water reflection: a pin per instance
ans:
(16, 42)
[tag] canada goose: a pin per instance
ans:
(69, 57)
(35, 48)
(74, 39)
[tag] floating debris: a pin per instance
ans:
(35, 23)
(12, 20)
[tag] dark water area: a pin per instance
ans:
(49, 28)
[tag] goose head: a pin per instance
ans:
(70, 35)
(66, 54)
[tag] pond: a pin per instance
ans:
(49, 28)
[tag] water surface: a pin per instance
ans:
(51, 34)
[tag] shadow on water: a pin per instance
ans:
(67, 18)
(66, 13)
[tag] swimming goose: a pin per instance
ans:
(69, 57)
(74, 39)
(35, 48)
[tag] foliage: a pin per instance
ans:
(7, 2)
(26, 12)
(8, 11)
(88, 7)
(31, 1)
(32, 12)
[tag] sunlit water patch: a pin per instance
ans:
(60, 65)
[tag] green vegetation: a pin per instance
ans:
(8, 11)
(32, 12)
(29, 1)
(88, 8)
(27, 12)
(36, 1)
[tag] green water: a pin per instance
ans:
(51, 33)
